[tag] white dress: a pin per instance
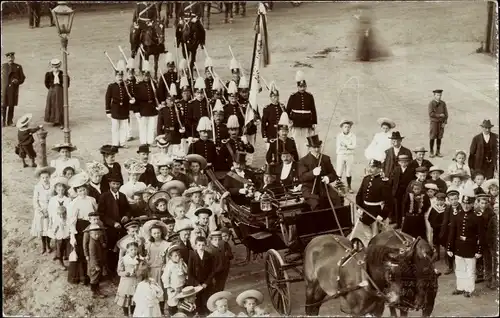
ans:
(174, 276)
(61, 163)
(56, 229)
(41, 198)
(147, 297)
(129, 188)
(182, 223)
(379, 145)
(218, 314)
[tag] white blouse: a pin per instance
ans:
(62, 163)
(379, 145)
(79, 209)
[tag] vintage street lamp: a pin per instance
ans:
(63, 15)
(265, 202)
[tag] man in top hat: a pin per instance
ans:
(234, 107)
(240, 182)
(147, 104)
(391, 154)
(288, 171)
(170, 121)
(465, 242)
(483, 153)
(220, 128)
(302, 112)
(204, 146)
(374, 197)
(278, 145)
(316, 172)
(12, 78)
(209, 77)
(229, 147)
(131, 82)
(271, 115)
(117, 107)
(420, 160)
(400, 178)
(197, 108)
(149, 176)
(438, 117)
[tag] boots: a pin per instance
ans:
(96, 293)
(33, 164)
(25, 165)
(44, 246)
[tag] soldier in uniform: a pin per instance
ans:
(144, 13)
(438, 116)
(221, 132)
(450, 212)
(171, 76)
(147, 104)
(131, 83)
(204, 146)
(465, 242)
(301, 110)
(235, 75)
(12, 78)
(209, 78)
(233, 107)
(197, 108)
(183, 106)
(217, 94)
(231, 146)
(250, 116)
(271, 115)
(282, 143)
(118, 107)
(374, 196)
(485, 265)
(169, 122)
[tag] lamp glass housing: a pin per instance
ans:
(63, 15)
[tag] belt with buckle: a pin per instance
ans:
(170, 128)
(373, 203)
(300, 111)
(462, 238)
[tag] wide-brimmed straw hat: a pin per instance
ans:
(153, 200)
(419, 149)
(40, 170)
(69, 146)
(431, 186)
(197, 158)
(146, 228)
(94, 227)
(188, 291)
(167, 186)
(346, 121)
(97, 168)
(213, 299)
(55, 62)
(449, 176)
(436, 168)
(177, 201)
(252, 293)
(78, 180)
(60, 180)
(24, 120)
(173, 248)
(488, 183)
(192, 190)
(384, 120)
(136, 167)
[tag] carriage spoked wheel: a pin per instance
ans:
(277, 282)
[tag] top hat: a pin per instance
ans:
(40, 170)
(396, 136)
(437, 91)
(486, 124)
(55, 62)
(240, 157)
(143, 148)
(108, 150)
(24, 120)
(313, 141)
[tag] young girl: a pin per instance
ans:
(156, 249)
(57, 209)
(457, 180)
(68, 172)
(187, 302)
(459, 163)
(163, 147)
(147, 296)
(162, 164)
(491, 187)
(435, 219)
(64, 160)
(478, 182)
(196, 202)
(174, 277)
(178, 207)
(218, 305)
(158, 204)
(42, 193)
(249, 300)
(381, 141)
(415, 205)
(196, 164)
(127, 270)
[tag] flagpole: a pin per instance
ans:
(257, 25)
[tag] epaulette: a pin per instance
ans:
(224, 141)
(479, 213)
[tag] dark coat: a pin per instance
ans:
(117, 101)
(306, 167)
(185, 250)
(170, 77)
(149, 176)
(112, 211)
(132, 89)
(168, 124)
(92, 192)
(293, 177)
(442, 186)
(391, 160)
(225, 158)
(466, 237)
(201, 271)
(235, 109)
(477, 153)
(182, 177)
(10, 90)
(414, 164)
(400, 181)
(115, 170)
(195, 110)
(49, 79)
(221, 133)
(276, 148)
(414, 215)
(145, 99)
(270, 117)
(297, 104)
(449, 215)
(204, 148)
(373, 189)
(233, 184)
(486, 217)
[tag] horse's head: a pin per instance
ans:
(148, 36)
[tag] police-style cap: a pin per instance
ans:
(483, 196)
(9, 54)
(375, 163)
(452, 192)
(441, 196)
(437, 91)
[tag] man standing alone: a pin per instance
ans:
(438, 116)
(483, 154)
(12, 78)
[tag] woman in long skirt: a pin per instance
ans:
(54, 112)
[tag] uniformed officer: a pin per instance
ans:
(144, 13)
(209, 77)
(132, 82)
(465, 242)
(271, 115)
(233, 107)
(183, 106)
(438, 116)
(450, 212)
(118, 107)
(302, 112)
(197, 108)
(148, 103)
(170, 122)
(374, 196)
(170, 77)
(204, 146)
(235, 75)
(221, 132)
(231, 146)
(12, 78)
(282, 143)
(217, 94)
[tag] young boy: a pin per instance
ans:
(25, 140)
(149, 176)
(478, 182)
(218, 304)
(202, 219)
(450, 212)
(132, 228)
(214, 248)
(346, 145)
(435, 219)
(415, 205)
(201, 270)
(94, 249)
(228, 255)
(484, 269)
(188, 302)
(435, 172)
(420, 175)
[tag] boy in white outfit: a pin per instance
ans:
(346, 144)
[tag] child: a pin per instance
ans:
(435, 174)
(491, 187)
(163, 146)
(249, 300)
(203, 215)
(25, 140)
(415, 206)
(58, 225)
(420, 175)
(132, 236)
(139, 208)
(178, 207)
(484, 269)
(64, 160)
(456, 180)
(215, 220)
(435, 219)
(174, 277)
(147, 194)
(431, 189)
(201, 270)
(451, 211)
(478, 181)
(127, 270)
(459, 163)
(94, 249)
(196, 164)
(42, 193)
(163, 164)
(170, 223)
(147, 296)
(148, 177)
(183, 241)
(158, 204)
(174, 188)
(196, 202)
(178, 170)
(187, 301)
(346, 144)
(218, 304)
(216, 249)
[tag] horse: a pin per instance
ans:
(152, 40)
(365, 279)
(190, 34)
(420, 280)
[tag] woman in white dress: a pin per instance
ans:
(64, 160)
(42, 193)
(381, 141)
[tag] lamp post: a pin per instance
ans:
(42, 136)
(63, 15)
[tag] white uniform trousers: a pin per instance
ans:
(138, 125)
(300, 136)
(364, 232)
(119, 129)
(344, 163)
(268, 144)
(184, 146)
(147, 131)
(465, 271)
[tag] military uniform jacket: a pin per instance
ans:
(374, 189)
(208, 84)
(146, 99)
(235, 109)
(228, 150)
(168, 123)
(486, 217)
(270, 118)
(301, 110)
(449, 214)
(204, 148)
(170, 77)
(195, 110)
(151, 12)
(437, 108)
(466, 235)
(149, 176)
(221, 133)
(10, 90)
(132, 89)
(276, 148)
(117, 101)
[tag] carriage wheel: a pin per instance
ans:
(296, 3)
(278, 291)
(357, 244)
